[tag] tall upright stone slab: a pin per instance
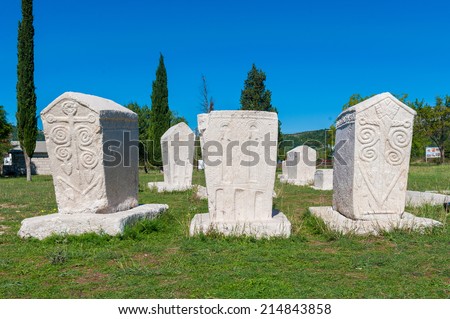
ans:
(177, 145)
(93, 150)
(301, 165)
(371, 163)
(372, 176)
(76, 126)
(239, 151)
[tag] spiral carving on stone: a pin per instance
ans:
(88, 159)
(85, 135)
(398, 139)
(368, 138)
(60, 135)
(63, 153)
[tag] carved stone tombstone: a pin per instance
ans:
(323, 179)
(301, 165)
(177, 145)
(371, 163)
(239, 151)
(284, 173)
(93, 152)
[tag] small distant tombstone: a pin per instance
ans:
(239, 151)
(284, 174)
(93, 152)
(323, 179)
(200, 165)
(177, 145)
(301, 165)
(371, 163)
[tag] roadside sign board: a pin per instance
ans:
(432, 152)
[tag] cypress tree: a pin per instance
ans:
(254, 96)
(160, 114)
(26, 96)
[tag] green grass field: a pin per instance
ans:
(157, 259)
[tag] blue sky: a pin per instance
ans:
(315, 53)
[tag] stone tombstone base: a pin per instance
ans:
(162, 187)
(112, 224)
(338, 222)
(296, 182)
(278, 226)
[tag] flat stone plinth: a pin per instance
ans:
(338, 222)
(113, 224)
(201, 192)
(414, 198)
(296, 182)
(162, 187)
(278, 226)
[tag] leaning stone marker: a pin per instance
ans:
(301, 165)
(94, 166)
(371, 163)
(177, 145)
(240, 167)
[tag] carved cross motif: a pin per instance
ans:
(74, 137)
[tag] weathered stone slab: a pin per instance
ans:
(414, 198)
(239, 151)
(89, 178)
(371, 158)
(338, 222)
(300, 166)
(323, 179)
(371, 163)
(278, 226)
(112, 224)
(177, 145)
(93, 150)
(284, 173)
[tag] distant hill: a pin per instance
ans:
(315, 139)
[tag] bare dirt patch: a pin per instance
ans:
(10, 205)
(91, 277)
(147, 259)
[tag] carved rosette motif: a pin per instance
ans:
(75, 148)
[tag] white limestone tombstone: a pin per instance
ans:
(177, 145)
(284, 174)
(93, 150)
(323, 179)
(301, 165)
(371, 163)
(240, 173)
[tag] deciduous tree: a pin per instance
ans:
(434, 122)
